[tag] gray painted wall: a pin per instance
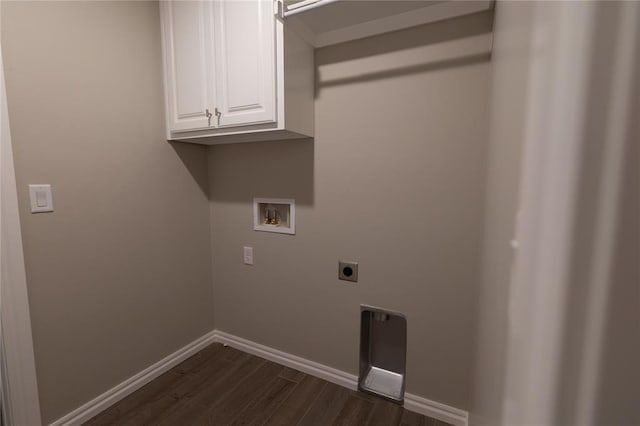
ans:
(619, 377)
(398, 178)
(119, 275)
(395, 180)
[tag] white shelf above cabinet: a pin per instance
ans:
(326, 22)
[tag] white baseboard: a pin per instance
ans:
(301, 364)
(437, 410)
(415, 403)
(132, 384)
(412, 402)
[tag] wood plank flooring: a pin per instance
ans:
(223, 386)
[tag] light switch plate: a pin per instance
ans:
(247, 255)
(40, 198)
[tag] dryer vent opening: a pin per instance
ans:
(383, 353)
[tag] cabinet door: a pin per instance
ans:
(188, 46)
(245, 62)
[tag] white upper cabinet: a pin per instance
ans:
(234, 73)
(245, 73)
(189, 71)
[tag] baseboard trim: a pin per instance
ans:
(415, 403)
(301, 364)
(437, 410)
(92, 408)
(115, 394)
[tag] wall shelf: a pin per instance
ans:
(325, 22)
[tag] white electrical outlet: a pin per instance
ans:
(248, 255)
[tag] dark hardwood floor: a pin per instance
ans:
(223, 386)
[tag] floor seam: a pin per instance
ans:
(283, 401)
(324, 385)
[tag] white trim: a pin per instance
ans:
(562, 46)
(301, 364)
(305, 6)
(92, 408)
(437, 410)
(20, 393)
(115, 394)
(415, 403)
(299, 13)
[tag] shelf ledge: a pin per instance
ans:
(326, 22)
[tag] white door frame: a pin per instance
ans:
(555, 139)
(20, 388)
(550, 167)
